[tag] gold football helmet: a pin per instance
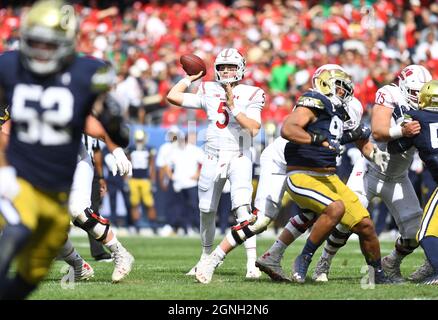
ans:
(334, 82)
(428, 96)
(48, 36)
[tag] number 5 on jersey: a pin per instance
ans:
(223, 110)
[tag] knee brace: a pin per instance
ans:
(405, 246)
(245, 219)
(93, 223)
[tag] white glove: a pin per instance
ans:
(121, 164)
(380, 158)
(9, 186)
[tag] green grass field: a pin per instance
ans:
(161, 263)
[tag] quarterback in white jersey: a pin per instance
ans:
(234, 114)
(391, 185)
(84, 217)
(272, 185)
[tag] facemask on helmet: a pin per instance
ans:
(411, 80)
(428, 96)
(229, 56)
(48, 36)
(334, 82)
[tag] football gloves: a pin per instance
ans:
(380, 158)
(360, 133)
(317, 138)
(9, 187)
(121, 164)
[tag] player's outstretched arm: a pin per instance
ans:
(94, 128)
(177, 96)
(381, 125)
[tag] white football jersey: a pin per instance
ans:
(224, 132)
(390, 96)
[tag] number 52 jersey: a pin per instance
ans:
(48, 117)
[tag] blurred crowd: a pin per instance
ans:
(283, 41)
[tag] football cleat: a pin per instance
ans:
(82, 270)
(381, 278)
(104, 257)
(392, 269)
(423, 272)
(206, 267)
(252, 272)
(300, 267)
(123, 261)
(271, 267)
(432, 280)
(321, 270)
(192, 271)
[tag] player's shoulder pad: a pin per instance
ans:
(314, 100)
(103, 75)
(355, 108)
(387, 95)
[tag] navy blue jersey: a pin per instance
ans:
(140, 162)
(329, 122)
(426, 141)
(48, 116)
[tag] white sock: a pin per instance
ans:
(251, 250)
(327, 255)
(219, 253)
(114, 244)
(277, 248)
(207, 230)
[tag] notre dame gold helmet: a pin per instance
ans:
(428, 96)
(334, 82)
(48, 36)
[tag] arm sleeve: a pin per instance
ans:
(359, 133)
(192, 101)
(400, 145)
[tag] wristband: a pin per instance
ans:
(235, 112)
(395, 132)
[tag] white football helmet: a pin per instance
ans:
(233, 57)
(411, 80)
(327, 78)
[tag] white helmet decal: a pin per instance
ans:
(233, 57)
(411, 80)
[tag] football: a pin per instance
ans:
(192, 64)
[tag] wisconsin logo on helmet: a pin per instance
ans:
(410, 81)
(48, 36)
(230, 56)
